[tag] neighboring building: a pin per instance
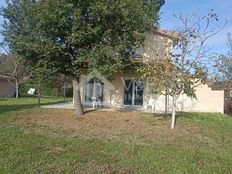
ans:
(126, 92)
(6, 88)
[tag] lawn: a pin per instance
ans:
(34, 140)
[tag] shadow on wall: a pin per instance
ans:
(115, 99)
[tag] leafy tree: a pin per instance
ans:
(72, 34)
(57, 84)
(45, 73)
(14, 68)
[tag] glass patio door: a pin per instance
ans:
(133, 92)
(94, 88)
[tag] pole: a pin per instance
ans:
(64, 88)
(39, 93)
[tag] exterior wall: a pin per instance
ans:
(113, 90)
(157, 47)
(6, 89)
(208, 100)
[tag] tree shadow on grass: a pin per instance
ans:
(192, 115)
(188, 115)
(18, 107)
(165, 116)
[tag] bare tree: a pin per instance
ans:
(13, 68)
(190, 60)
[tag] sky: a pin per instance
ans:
(186, 7)
(2, 4)
(223, 8)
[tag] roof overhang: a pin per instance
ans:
(171, 35)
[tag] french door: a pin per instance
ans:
(94, 89)
(133, 92)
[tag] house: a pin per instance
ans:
(6, 88)
(127, 92)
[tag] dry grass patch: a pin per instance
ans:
(124, 126)
(54, 141)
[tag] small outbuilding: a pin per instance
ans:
(6, 88)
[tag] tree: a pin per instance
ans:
(43, 73)
(187, 68)
(71, 35)
(224, 64)
(57, 83)
(13, 68)
(168, 79)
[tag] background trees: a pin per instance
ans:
(224, 63)
(70, 35)
(14, 68)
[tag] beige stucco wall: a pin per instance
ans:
(157, 47)
(208, 100)
(113, 90)
(6, 89)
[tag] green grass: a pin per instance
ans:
(12, 105)
(24, 149)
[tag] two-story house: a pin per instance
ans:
(127, 92)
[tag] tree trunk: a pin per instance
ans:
(173, 123)
(57, 92)
(64, 89)
(39, 93)
(166, 100)
(16, 88)
(77, 97)
(166, 103)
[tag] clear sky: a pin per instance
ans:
(222, 7)
(2, 4)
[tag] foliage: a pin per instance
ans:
(224, 63)
(101, 33)
(68, 35)
(165, 78)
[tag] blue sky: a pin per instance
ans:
(223, 9)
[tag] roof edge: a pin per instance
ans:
(165, 33)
